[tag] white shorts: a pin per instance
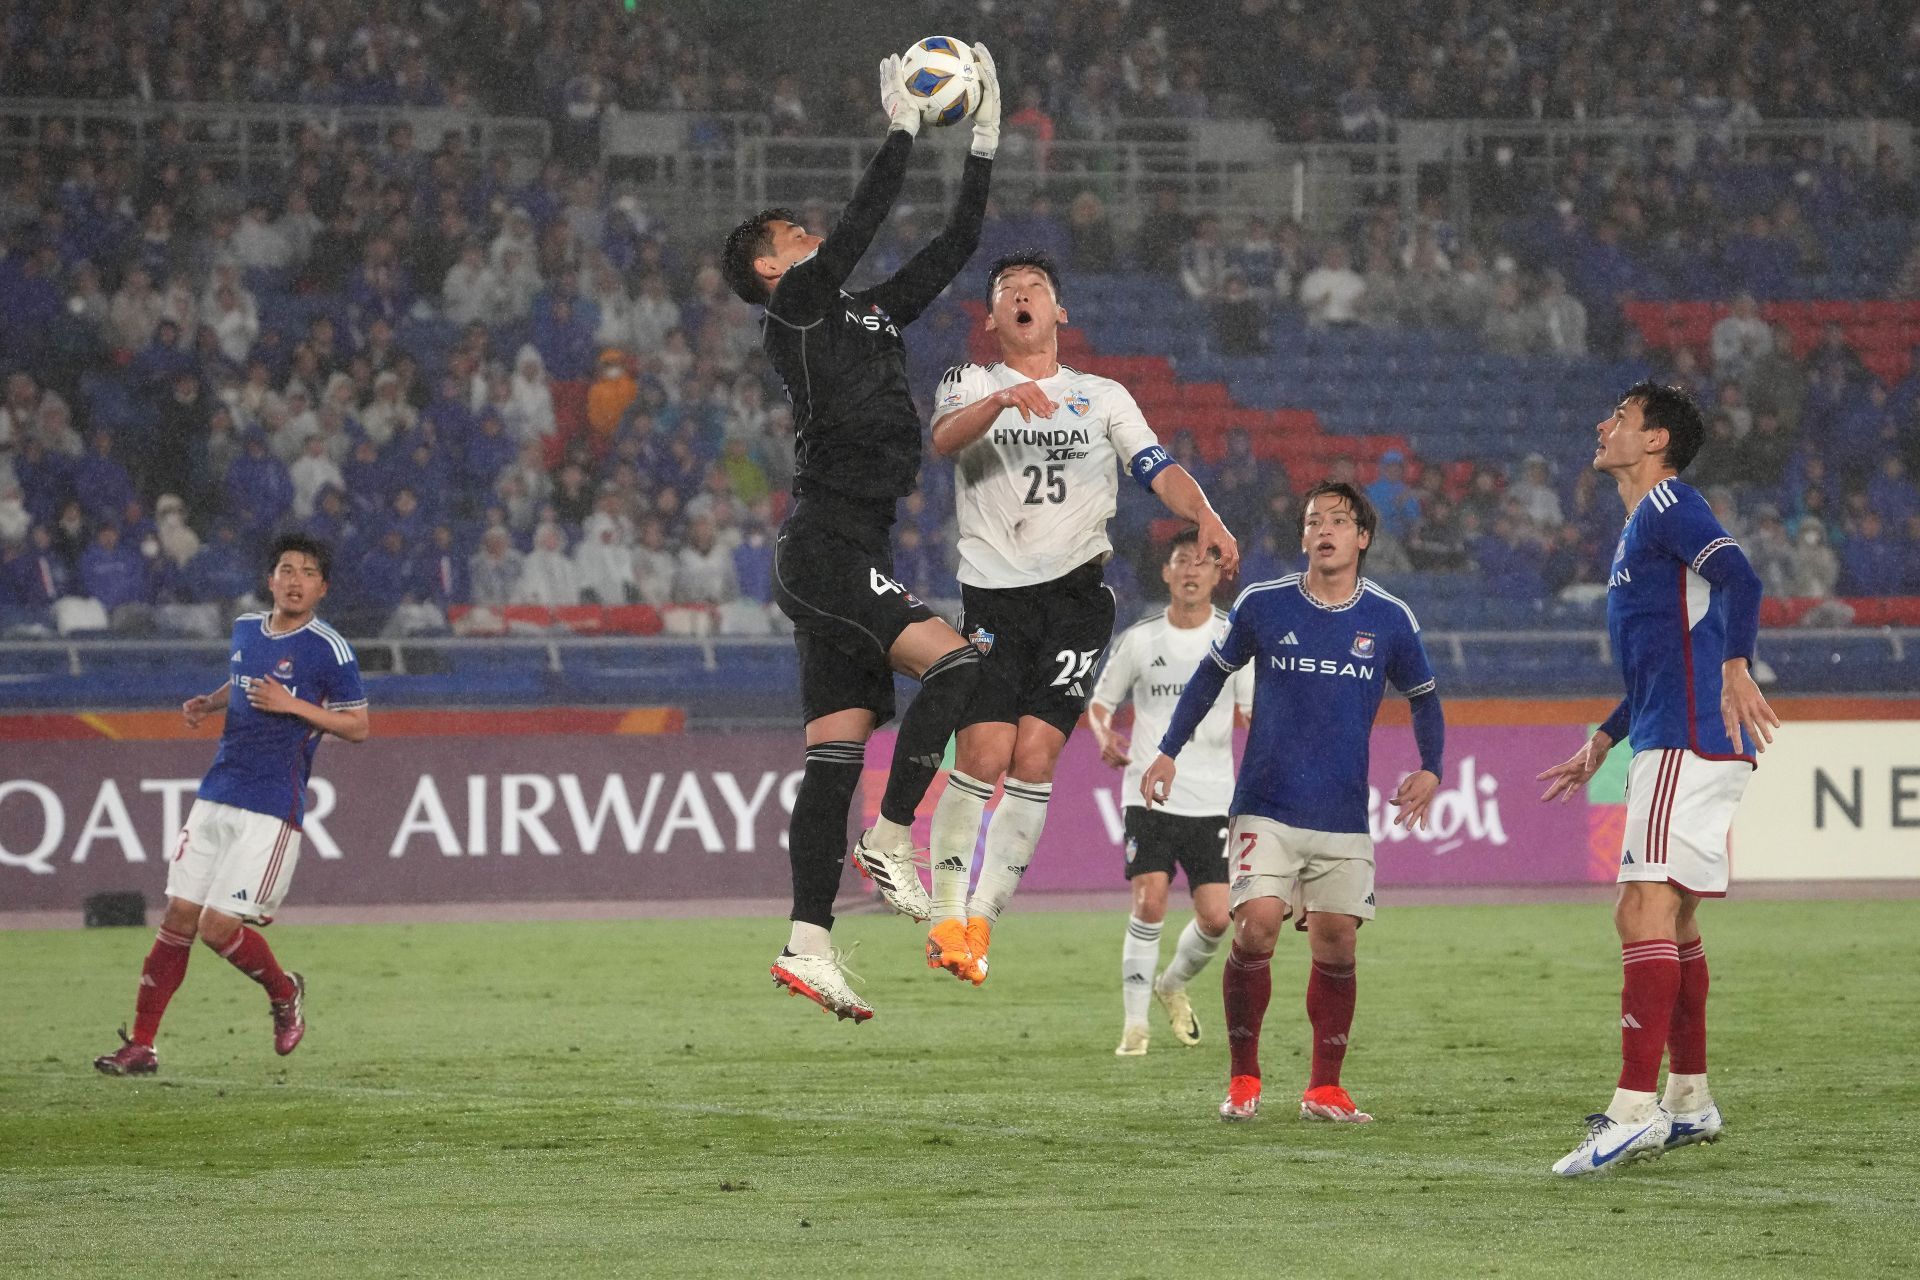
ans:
(235, 861)
(1679, 812)
(1329, 871)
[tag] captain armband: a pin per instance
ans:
(1147, 464)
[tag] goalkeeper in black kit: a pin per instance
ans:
(857, 447)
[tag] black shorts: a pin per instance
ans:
(833, 576)
(1157, 840)
(1041, 647)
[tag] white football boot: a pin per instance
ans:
(1186, 1027)
(821, 980)
(1690, 1127)
(1610, 1144)
(1133, 1041)
(896, 875)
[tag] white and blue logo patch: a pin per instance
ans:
(982, 639)
(1077, 403)
(1363, 645)
(283, 669)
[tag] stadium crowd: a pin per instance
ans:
(492, 392)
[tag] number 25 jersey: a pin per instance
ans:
(1034, 498)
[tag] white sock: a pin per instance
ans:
(956, 834)
(1190, 955)
(808, 939)
(888, 835)
(1687, 1093)
(1139, 957)
(1011, 836)
(1631, 1106)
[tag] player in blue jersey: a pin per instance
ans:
(1325, 644)
(235, 857)
(1683, 612)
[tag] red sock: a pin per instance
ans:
(160, 977)
(1330, 993)
(250, 954)
(1687, 1038)
(1651, 973)
(1247, 983)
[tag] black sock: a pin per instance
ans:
(921, 744)
(817, 833)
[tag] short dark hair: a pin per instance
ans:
(1187, 537)
(1357, 502)
(1031, 258)
(747, 242)
(1674, 410)
(301, 544)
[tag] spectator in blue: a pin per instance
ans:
(36, 573)
(753, 562)
(490, 450)
(258, 490)
(381, 579)
(114, 573)
(407, 514)
(332, 522)
(221, 571)
(563, 330)
(155, 366)
(101, 483)
(439, 572)
(31, 304)
(424, 470)
(1892, 493)
(46, 479)
(370, 479)
(1870, 562)
(1393, 497)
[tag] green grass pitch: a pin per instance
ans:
(634, 1098)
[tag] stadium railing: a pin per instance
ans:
(753, 677)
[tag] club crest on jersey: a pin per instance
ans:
(982, 639)
(283, 669)
(1077, 403)
(1362, 644)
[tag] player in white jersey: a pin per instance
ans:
(1037, 446)
(1150, 665)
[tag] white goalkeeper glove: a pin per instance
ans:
(902, 111)
(986, 117)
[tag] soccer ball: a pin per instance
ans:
(942, 78)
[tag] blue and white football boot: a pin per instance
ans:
(1690, 1127)
(1610, 1144)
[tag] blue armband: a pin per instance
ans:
(1149, 463)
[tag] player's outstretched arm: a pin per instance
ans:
(954, 431)
(1203, 687)
(351, 724)
(810, 287)
(1181, 494)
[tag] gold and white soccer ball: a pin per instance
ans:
(943, 78)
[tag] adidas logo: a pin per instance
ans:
(236, 656)
(1629, 1022)
(1339, 1039)
(1017, 870)
(1371, 902)
(927, 761)
(1160, 661)
(1289, 638)
(1075, 691)
(240, 896)
(1136, 979)
(950, 864)
(1626, 859)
